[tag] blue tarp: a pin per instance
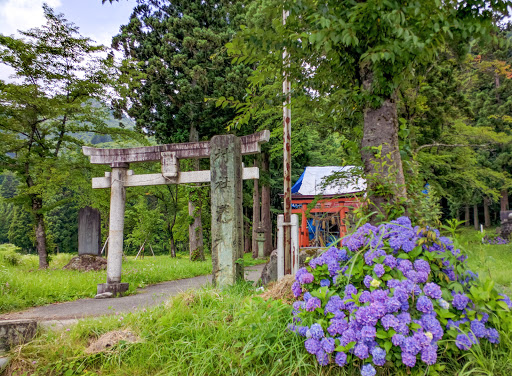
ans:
(297, 185)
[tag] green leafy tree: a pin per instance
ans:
(176, 60)
(356, 55)
(57, 74)
(21, 229)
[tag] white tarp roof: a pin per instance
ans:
(313, 181)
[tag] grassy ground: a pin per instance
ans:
(212, 332)
(234, 332)
(489, 261)
(23, 285)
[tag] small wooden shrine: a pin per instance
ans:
(325, 209)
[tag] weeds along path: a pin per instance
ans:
(146, 297)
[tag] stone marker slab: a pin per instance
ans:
(89, 231)
(16, 332)
(226, 206)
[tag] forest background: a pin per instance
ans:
(195, 69)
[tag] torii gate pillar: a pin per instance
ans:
(116, 229)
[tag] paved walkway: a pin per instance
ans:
(146, 297)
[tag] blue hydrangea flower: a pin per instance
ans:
(296, 289)
(429, 355)
(334, 304)
(422, 266)
(390, 261)
(367, 281)
(368, 331)
(361, 351)
(478, 329)
(340, 359)
(368, 370)
(312, 345)
(465, 341)
(312, 304)
(379, 356)
(364, 297)
(389, 321)
(328, 345)
(408, 359)
(393, 305)
(460, 301)
(337, 327)
(432, 290)
(325, 283)
(397, 339)
(322, 357)
(424, 305)
(316, 331)
(493, 336)
(379, 270)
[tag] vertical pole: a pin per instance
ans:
(115, 234)
(287, 157)
(116, 225)
(280, 246)
(295, 243)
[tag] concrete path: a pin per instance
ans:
(146, 297)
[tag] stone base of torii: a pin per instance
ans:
(225, 176)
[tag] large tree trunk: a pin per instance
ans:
(475, 216)
(266, 220)
(504, 200)
(380, 153)
(487, 217)
(37, 204)
(195, 229)
(466, 216)
(255, 214)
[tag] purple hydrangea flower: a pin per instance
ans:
(364, 297)
(337, 327)
(296, 289)
(463, 342)
(368, 332)
(493, 336)
(379, 270)
(429, 355)
(349, 290)
(424, 305)
(334, 304)
(348, 336)
(325, 283)
(397, 339)
(379, 356)
(322, 357)
(408, 359)
(368, 370)
(340, 359)
(390, 261)
(367, 281)
(361, 351)
(411, 345)
(460, 301)
(312, 304)
(393, 305)
(432, 290)
(389, 321)
(312, 345)
(327, 344)
(422, 266)
(506, 299)
(478, 329)
(404, 265)
(316, 331)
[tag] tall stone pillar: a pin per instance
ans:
(116, 228)
(226, 205)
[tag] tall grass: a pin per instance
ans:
(213, 332)
(23, 285)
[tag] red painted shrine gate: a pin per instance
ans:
(327, 221)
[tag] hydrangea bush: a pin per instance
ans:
(394, 295)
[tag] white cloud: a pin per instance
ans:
(22, 14)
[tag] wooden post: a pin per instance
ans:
(255, 215)
(487, 217)
(504, 200)
(227, 212)
(475, 216)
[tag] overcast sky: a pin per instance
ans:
(96, 21)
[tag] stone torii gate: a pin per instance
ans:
(225, 177)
